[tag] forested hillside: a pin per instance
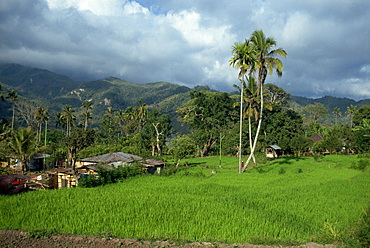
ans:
(53, 91)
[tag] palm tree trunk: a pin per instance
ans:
(250, 138)
(46, 132)
(13, 117)
(241, 127)
(257, 132)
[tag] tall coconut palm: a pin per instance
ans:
(243, 59)
(336, 112)
(350, 112)
(22, 145)
(69, 117)
(250, 98)
(86, 114)
(141, 113)
(41, 116)
(13, 96)
(265, 63)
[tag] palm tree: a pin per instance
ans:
(60, 122)
(243, 59)
(86, 106)
(41, 116)
(265, 63)
(13, 95)
(336, 112)
(350, 111)
(69, 118)
(22, 144)
(141, 113)
(250, 98)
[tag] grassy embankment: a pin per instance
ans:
(288, 200)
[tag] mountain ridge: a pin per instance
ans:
(54, 91)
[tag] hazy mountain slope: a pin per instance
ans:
(53, 91)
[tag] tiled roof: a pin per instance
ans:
(121, 157)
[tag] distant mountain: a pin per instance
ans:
(53, 91)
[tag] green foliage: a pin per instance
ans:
(107, 175)
(183, 147)
(361, 114)
(284, 128)
(315, 111)
(362, 234)
(36, 234)
(361, 164)
(282, 171)
(206, 114)
(318, 157)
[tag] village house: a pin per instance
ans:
(273, 151)
(115, 159)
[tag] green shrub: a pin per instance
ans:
(36, 234)
(282, 171)
(361, 164)
(107, 175)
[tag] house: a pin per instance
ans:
(37, 162)
(273, 151)
(116, 159)
(62, 178)
(12, 184)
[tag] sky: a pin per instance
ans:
(190, 42)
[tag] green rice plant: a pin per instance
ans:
(197, 205)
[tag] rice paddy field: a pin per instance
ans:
(288, 199)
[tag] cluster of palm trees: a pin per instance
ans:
(67, 117)
(254, 58)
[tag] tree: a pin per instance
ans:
(76, 141)
(86, 114)
(361, 114)
(141, 114)
(108, 123)
(22, 145)
(207, 113)
(243, 59)
(315, 111)
(182, 147)
(265, 62)
(67, 116)
(13, 96)
(41, 116)
(276, 95)
(350, 111)
(333, 141)
(283, 127)
(250, 97)
(156, 130)
(336, 112)
(363, 136)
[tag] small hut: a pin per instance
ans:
(62, 178)
(273, 151)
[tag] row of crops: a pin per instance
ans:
(285, 199)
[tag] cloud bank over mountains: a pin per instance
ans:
(189, 42)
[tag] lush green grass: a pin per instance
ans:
(283, 200)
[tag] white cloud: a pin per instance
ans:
(97, 7)
(189, 42)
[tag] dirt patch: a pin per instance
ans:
(20, 239)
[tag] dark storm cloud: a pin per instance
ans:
(189, 42)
